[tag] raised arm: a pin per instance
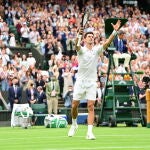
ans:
(114, 33)
(78, 39)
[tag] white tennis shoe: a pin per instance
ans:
(90, 136)
(72, 130)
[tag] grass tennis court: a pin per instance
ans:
(41, 138)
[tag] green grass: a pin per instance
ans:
(41, 138)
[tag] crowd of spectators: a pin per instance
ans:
(51, 26)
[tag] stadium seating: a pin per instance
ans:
(39, 108)
(39, 113)
(1, 108)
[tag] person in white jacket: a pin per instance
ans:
(12, 40)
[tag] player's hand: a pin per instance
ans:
(117, 25)
(81, 30)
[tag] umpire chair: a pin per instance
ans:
(120, 99)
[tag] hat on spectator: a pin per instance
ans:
(24, 23)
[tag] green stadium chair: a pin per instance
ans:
(1, 108)
(39, 108)
(40, 111)
(12, 28)
(29, 45)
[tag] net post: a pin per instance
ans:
(148, 107)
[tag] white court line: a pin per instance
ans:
(84, 148)
(101, 147)
(65, 136)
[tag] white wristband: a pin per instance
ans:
(79, 36)
(79, 39)
(114, 33)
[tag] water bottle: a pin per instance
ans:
(117, 103)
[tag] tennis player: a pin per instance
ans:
(85, 85)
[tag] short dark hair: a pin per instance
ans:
(85, 35)
(120, 32)
(15, 77)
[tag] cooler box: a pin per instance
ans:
(55, 121)
(40, 119)
(82, 118)
(63, 115)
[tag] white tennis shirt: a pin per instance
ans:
(88, 60)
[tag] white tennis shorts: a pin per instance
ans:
(85, 89)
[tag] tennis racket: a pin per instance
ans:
(84, 21)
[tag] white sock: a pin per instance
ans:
(74, 121)
(90, 127)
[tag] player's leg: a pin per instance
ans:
(78, 94)
(91, 97)
(74, 110)
(74, 113)
(91, 115)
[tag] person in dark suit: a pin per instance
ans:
(121, 52)
(40, 82)
(14, 93)
(31, 92)
(41, 95)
